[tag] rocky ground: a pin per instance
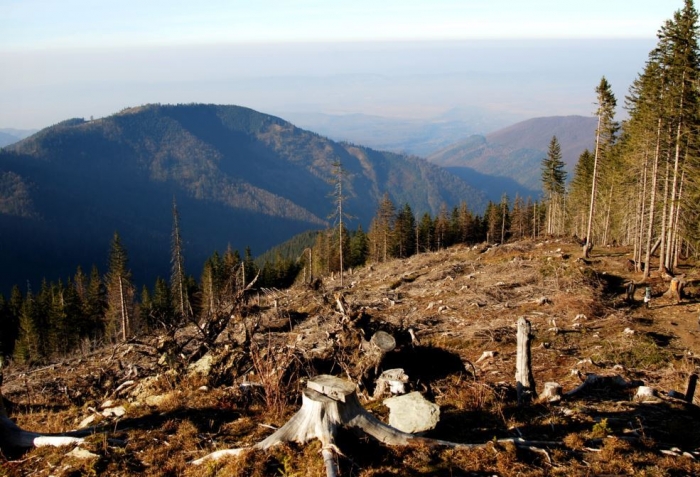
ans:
(452, 314)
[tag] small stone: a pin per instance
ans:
(79, 453)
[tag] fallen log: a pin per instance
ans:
(329, 403)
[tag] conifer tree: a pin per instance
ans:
(605, 138)
(404, 233)
(178, 278)
(381, 229)
(553, 183)
(120, 295)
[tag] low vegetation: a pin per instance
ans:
(445, 309)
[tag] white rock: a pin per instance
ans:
(117, 411)
(87, 421)
(80, 453)
(412, 413)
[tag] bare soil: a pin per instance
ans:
(445, 309)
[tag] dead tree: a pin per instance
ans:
(524, 381)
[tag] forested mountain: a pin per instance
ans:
(239, 177)
(516, 152)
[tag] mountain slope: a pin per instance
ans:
(517, 151)
(239, 177)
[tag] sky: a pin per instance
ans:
(79, 58)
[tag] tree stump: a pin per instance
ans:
(524, 381)
(551, 392)
(329, 403)
(675, 289)
(380, 344)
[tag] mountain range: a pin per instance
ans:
(239, 178)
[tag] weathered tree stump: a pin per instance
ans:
(675, 289)
(380, 344)
(645, 393)
(551, 392)
(524, 381)
(329, 403)
(392, 380)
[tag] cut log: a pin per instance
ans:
(524, 381)
(595, 380)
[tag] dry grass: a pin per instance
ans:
(458, 303)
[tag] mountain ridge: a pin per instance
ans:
(517, 151)
(239, 177)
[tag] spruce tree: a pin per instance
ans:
(178, 278)
(605, 138)
(553, 183)
(120, 295)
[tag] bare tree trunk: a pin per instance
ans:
(652, 202)
(525, 383)
(594, 187)
(125, 316)
(664, 217)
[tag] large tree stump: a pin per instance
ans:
(524, 381)
(329, 403)
(675, 289)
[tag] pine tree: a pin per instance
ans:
(178, 278)
(404, 233)
(120, 294)
(359, 248)
(425, 233)
(381, 229)
(553, 183)
(605, 138)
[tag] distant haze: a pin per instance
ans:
(487, 83)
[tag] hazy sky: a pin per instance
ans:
(77, 58)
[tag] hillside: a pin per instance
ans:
(445, 310)
(516, 152)
(239, 177)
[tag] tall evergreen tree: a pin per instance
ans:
(605, 138)
(178, 279)
(120, 294)
(553, 184)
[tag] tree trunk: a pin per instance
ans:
(652, 202)
(525, 383)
